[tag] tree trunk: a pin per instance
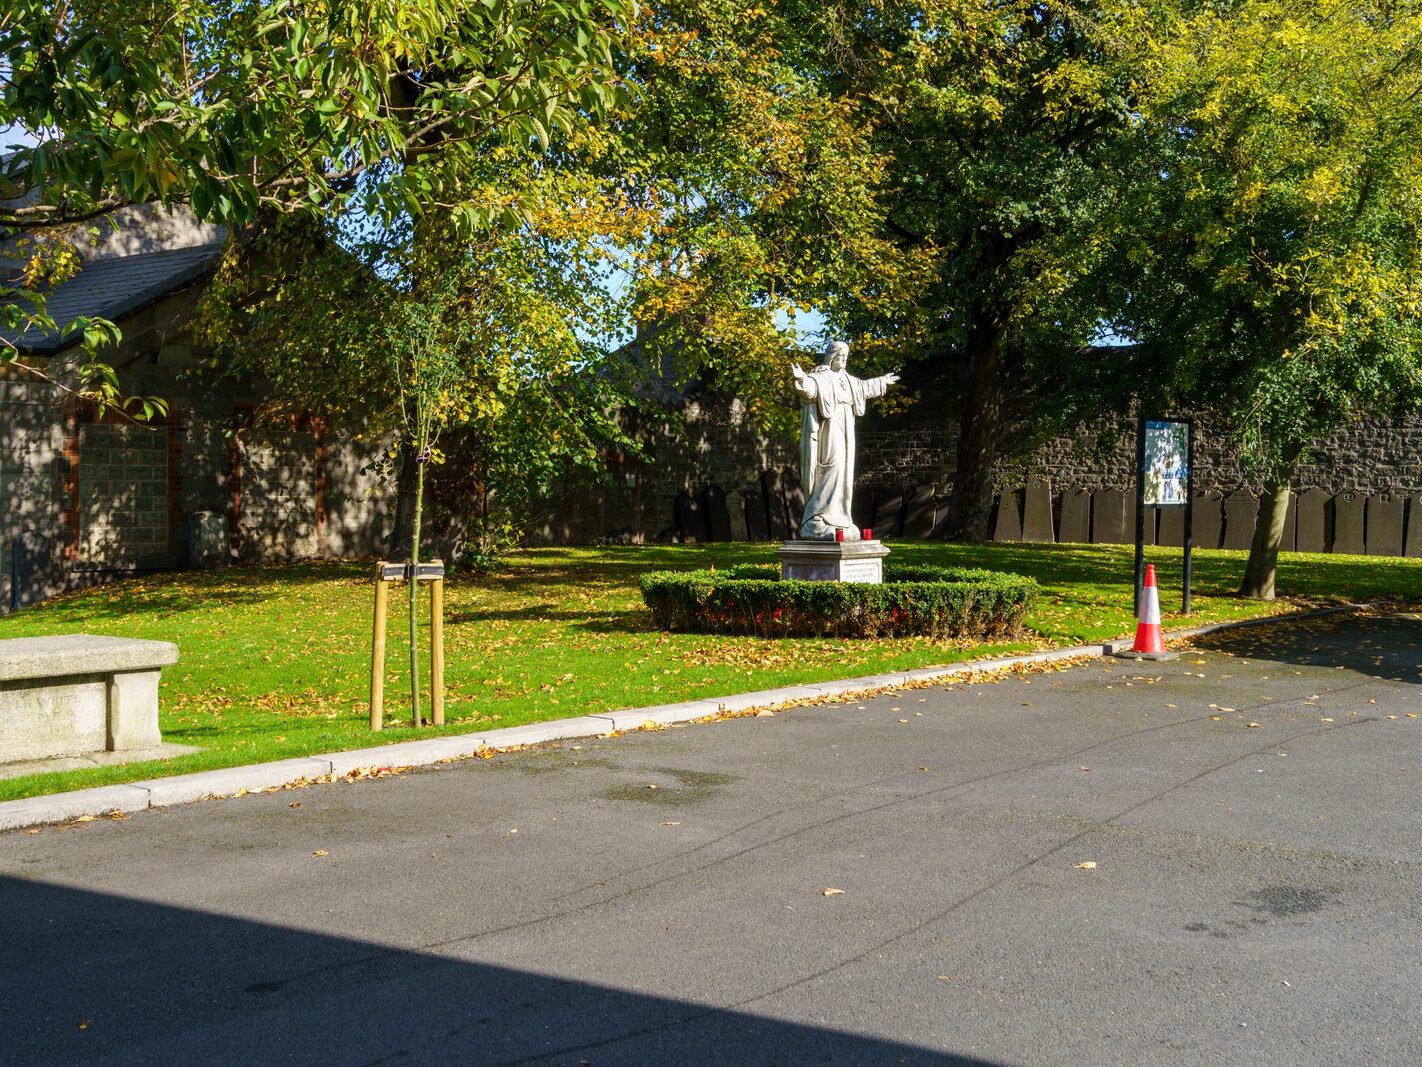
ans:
(415, 594)
(1259, 572)
(405, 483)
(970, 511)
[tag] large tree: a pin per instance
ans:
(1275, 257)
(1002, 125)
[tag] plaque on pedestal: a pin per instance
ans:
(832, 561)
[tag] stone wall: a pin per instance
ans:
(710, 441)
(905, 476)
(86, 499)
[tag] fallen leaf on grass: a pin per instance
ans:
(1086, 865)
(833, 892)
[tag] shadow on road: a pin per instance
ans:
(1380, 646)
(92, 976)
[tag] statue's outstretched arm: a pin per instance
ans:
(804, 384)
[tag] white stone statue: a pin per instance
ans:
(833, 399)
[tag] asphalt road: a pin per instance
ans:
(662, 897)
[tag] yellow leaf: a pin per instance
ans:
(1086, 865)
(833, 892)
(1253, 725)
(319, 852)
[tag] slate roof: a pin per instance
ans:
(113, 288)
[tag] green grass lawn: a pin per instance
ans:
(275, 659)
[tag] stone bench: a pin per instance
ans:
(79, 694)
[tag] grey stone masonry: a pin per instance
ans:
(76, 693)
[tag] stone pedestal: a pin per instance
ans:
(832, 561)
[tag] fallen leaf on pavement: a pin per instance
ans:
(1086, 865)
(319, 852)
(833, 892)
(1253, 725)
(672, 823)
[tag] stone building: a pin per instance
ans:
(86, 496)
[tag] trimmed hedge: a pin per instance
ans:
(912, 601)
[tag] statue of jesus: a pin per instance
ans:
(833, 399)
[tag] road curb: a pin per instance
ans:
(423, 752)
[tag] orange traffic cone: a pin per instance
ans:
(1148, 622)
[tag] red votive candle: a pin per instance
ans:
(839, 535)
(868, 534)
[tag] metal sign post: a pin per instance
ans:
(1165, 478)
(385, 573)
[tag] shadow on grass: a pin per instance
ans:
(177, 592)
(1380, 646)
(194, 982)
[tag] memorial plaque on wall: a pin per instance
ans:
(1008, 524)
(1413, 544)
(1311, 522)
(1076, 517)
(1208, 529)
(1170, 527)
(1152, 517)
(756, 527)
(1037, 513)
(1383, 516)
(794, 497)
(774, 506)
(689, 518)
(861, 507)
(718, 519)
(736, 514)
(888, 512)
(1241, 509)
(1348, 523)
(918, 512)
(1108, 518)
